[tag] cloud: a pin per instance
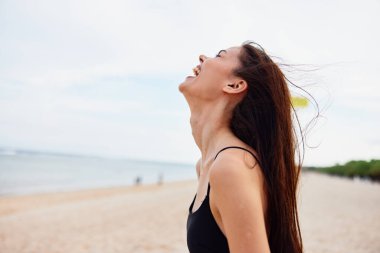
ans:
(102, 76)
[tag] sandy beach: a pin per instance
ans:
(336, 215)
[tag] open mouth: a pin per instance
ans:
(197, 70)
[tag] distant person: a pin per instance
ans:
(241, 120)
(138, 180)
(160, 179)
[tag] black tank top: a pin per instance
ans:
(203, 233)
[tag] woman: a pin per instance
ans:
(241, 119)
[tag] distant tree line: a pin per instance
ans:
(358, 168)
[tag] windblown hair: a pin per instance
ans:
(263, 120)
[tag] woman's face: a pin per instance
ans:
(212, 75)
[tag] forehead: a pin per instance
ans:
(232, 55)
(233, 51)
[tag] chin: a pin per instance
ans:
(188, 81)
(181, 87)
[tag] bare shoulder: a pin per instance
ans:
(230, 170)
(233, 181)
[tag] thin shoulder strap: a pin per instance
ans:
(240, 148)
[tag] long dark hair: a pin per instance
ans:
(264, 120)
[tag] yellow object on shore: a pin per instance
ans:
(300, 102)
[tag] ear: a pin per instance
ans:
(236, 87)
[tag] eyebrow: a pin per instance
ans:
(222, 51)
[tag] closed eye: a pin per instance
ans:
(218, 54)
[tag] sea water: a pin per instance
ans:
(26, 174)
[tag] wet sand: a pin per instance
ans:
(336, 215)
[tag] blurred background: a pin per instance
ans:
(101, 78)
(89, 89)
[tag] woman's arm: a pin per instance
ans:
(237, 194)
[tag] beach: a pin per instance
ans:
(336, 215)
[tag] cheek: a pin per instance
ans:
(215, 74)
(205, 87)
(208, 85)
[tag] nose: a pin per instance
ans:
(202, 58)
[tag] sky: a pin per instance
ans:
(101, 77)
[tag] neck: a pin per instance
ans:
(210, 129)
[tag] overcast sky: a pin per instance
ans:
(101, 77)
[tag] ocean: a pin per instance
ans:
(22, 174)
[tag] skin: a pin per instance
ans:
(237, 198)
